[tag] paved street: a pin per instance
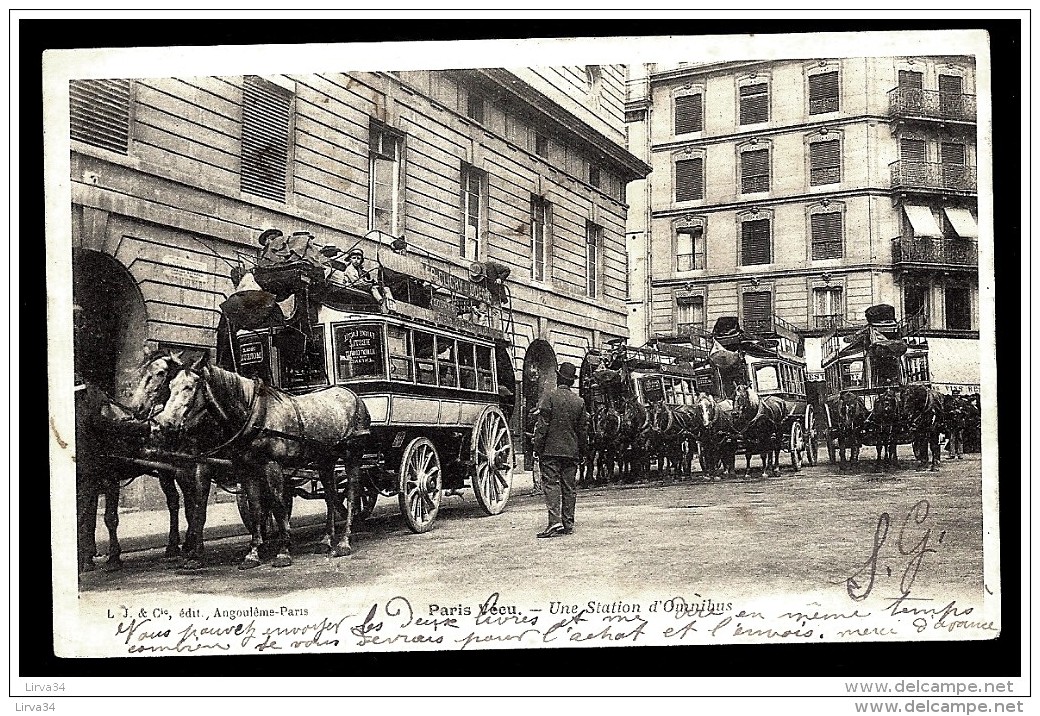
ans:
(801, 532)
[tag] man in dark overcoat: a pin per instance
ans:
(560, 442)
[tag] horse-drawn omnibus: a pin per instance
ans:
(771, 360)
(868, 361)
(425, 350)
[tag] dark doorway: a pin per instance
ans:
(111, 325)
(539, 378)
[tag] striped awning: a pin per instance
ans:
(924, 223)
(963, 223)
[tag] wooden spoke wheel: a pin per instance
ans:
(492, 451)
(812, 438)
(420, 483)
(797, 445)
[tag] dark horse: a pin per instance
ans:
(716, 435)
(884, 423)
(605, 442)
(105, 472)
(635, 461)
(851, 413)
(672, 433)
(268, 430)
(925, 421)
(759, 421)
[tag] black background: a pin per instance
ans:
(995, 658)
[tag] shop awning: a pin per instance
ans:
(925, 226)
(963, 223)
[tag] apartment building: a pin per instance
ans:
(173, 179)
(808, 190)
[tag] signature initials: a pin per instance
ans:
(860, 584)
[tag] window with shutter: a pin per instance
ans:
(827, 308)
(952, 153)
(754, 103)
(266, 118)
(690, 248)
(593, 240)
(951, 98)
(99, 113)
(384, 173)
(757, 310)
(912, 150)
(910, 79)
(826, 236)
(541, 145)
(689, 310)
(825, 162)
(823, 93)
(689, 179)
(754, 243)
(754, 171)
(689, 113)
(473, 201)
(594, 179)
(541, 238)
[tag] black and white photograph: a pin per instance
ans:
(530, 344)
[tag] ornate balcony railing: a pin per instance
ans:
(940, 252)
(910, 102)
(931, 176)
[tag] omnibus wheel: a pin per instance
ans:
(492, 450)
(420, 485)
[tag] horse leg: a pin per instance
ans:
(173, 505)
(343, 548)
(253, 487)
(115, 552)
(186, 483)
(934, 439)
(327, 475)
(86, 519)
(193, 542)
(274, 483)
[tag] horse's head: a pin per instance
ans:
(886, 408)
(187, 398)
(152, 387)
(706, 410)
(745, 399)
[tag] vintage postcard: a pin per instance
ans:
(522, 344)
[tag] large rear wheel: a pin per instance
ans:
(812, 438)
(492, 451)
(796, 445)
(420, 484)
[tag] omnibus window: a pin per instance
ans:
(852, 374)
(766, 378)
(400, 349)
(916, 368)
(467, 366)
(669, 391)
(485, 375)
(425, 372)
(359, 351)
(447, 365)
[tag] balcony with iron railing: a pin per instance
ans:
(926, 252)
(912, 103)
(932, 177)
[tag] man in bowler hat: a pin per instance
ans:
(560, 442)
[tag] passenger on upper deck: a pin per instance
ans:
(355, 275)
